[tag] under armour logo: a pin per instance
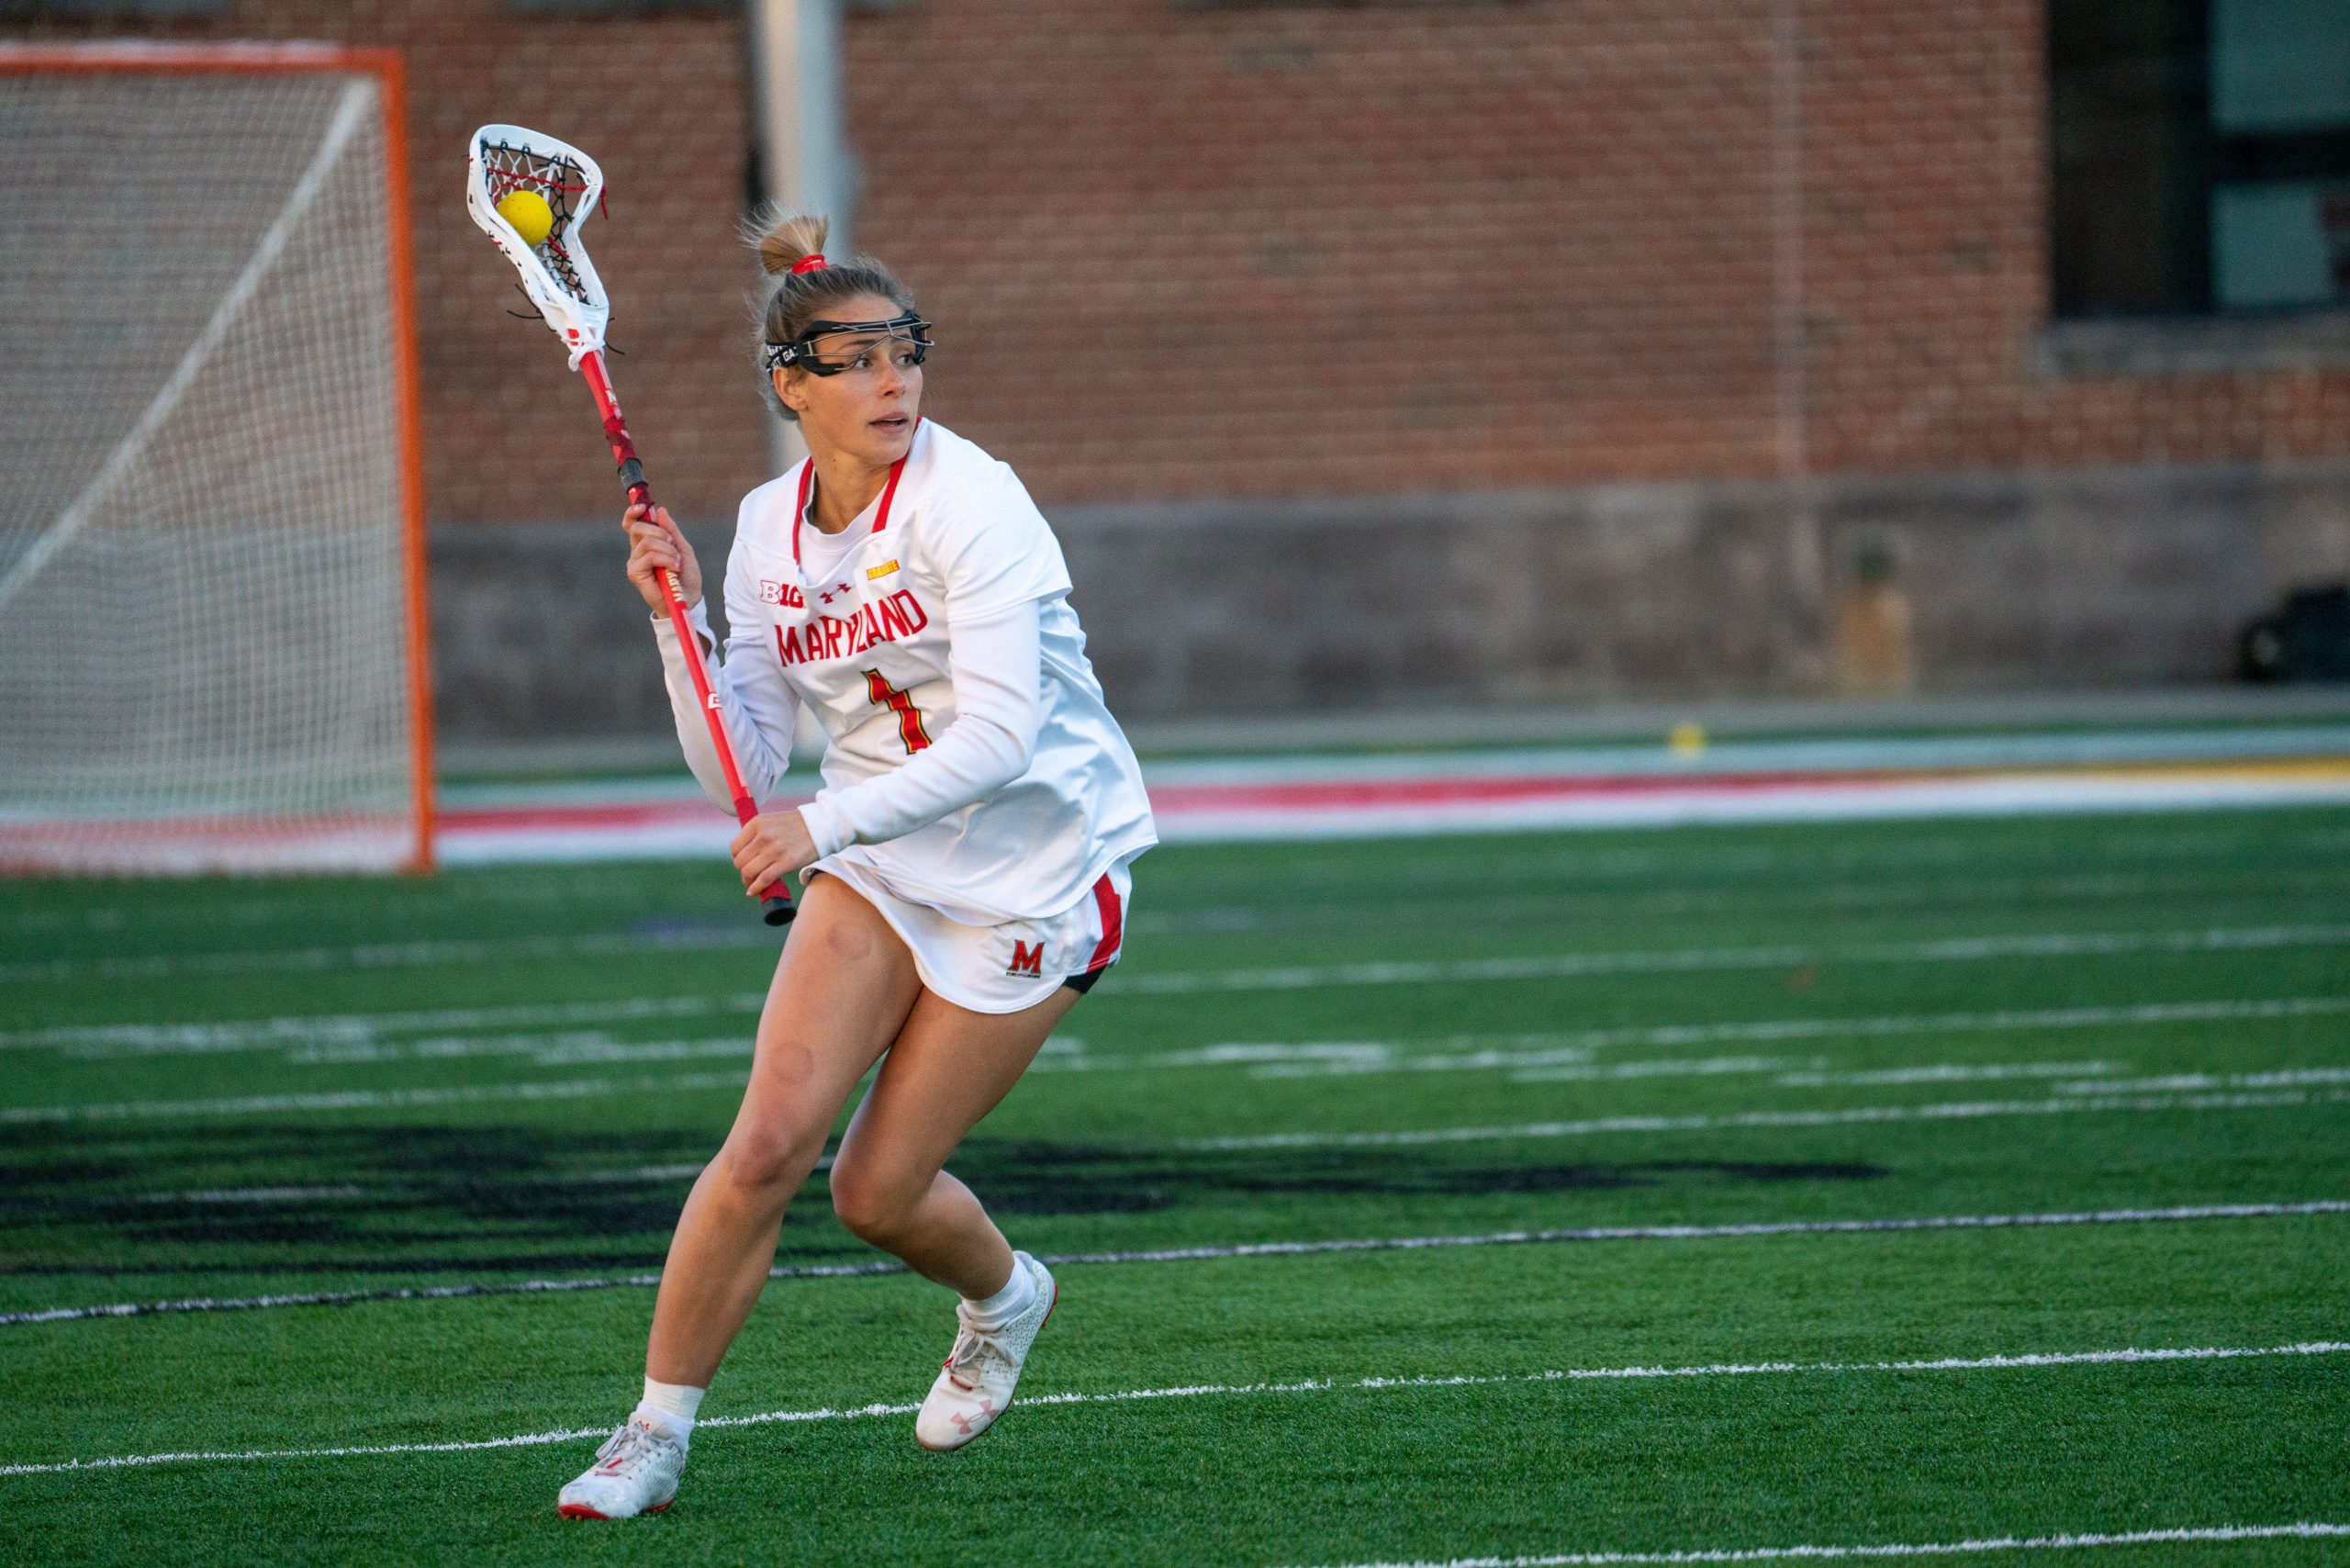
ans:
(986, 1412)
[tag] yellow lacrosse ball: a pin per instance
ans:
(528, 211)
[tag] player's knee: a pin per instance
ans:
(874, 1203)
(768, 1161)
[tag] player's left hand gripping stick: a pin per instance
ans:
(506, 160)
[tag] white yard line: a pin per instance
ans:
(1340, 1059)
(1457, 1053)
(2072, 1541)
(566, 1047)
(361, 1037)
(391, 1190)
(2132, 1355)
(1558, 1057)
(373, 1099)
(2090, 1097)
(1667, 805)
(1624, 879)
(256, 1194)
(1508, 908)
(1936, 1110)
(2079, 1098)
(1308, 1059)
(1555, 1067)
(1943, 1072)
(548, 1048)
(391, 954)
(1946, 950)
(1746, 1230)
(1947, 1073)
(299, 1029)
(2190, 1082)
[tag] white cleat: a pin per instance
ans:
(975, 1387)
(635, 1472)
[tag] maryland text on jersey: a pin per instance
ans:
(832, 637)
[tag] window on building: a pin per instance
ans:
(2200, 156)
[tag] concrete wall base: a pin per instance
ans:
(2014, 581)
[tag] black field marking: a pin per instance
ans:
(429, 1199)
(408, 1198)
(1033, 1177)
(1242, 1250)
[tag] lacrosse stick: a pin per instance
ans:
(561, 281)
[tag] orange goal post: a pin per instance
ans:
(214, 647)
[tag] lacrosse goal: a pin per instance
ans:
(213, 650)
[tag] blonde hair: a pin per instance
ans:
(792, 299)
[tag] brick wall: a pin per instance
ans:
(1197, 263)
(1181, 251)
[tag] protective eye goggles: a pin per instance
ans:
(800, 353)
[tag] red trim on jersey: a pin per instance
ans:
(1113, 924)
(807, 483)
(799, 512)
(901, 703)
(889, 491)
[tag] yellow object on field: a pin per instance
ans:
(528, 211)
(1686, 740)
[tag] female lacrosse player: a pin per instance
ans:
(966, 857)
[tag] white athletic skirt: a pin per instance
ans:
(1006, 967)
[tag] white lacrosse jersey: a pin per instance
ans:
(953, 536)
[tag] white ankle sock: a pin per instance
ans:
(1009, 1302)
(672, 1404)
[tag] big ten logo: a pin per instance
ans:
(781, 593)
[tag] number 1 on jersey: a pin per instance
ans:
(909, 728)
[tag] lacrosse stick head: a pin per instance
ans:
(556, 273)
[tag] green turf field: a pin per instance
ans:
(228, 1091)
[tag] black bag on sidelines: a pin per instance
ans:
(2308, 639)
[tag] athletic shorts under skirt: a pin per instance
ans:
(1006, 967)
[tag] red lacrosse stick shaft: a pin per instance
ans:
(777, 896)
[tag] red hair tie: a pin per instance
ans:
(814, 261)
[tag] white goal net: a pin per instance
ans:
(210, 628)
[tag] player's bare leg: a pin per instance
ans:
(841, 995)
(949, 1067)
(841, 992)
